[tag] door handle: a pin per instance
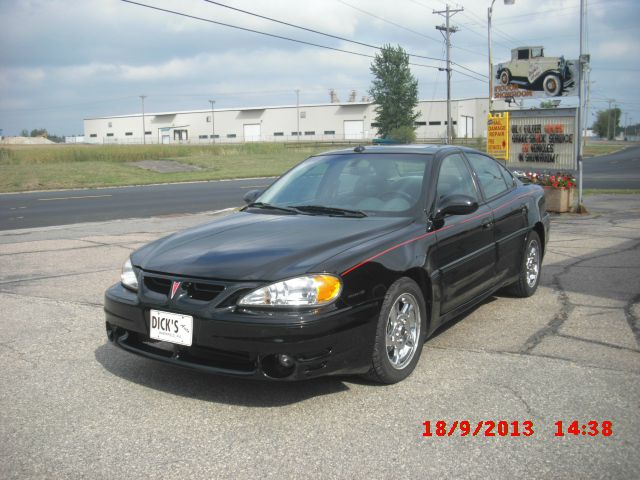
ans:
(486, 225)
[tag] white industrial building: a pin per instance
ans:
(316, 122)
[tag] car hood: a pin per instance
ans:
(249, 246)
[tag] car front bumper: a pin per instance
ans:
(250, 344)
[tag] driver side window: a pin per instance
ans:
(455, 179)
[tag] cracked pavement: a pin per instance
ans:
(73, 406)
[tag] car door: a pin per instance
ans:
(509, 212)
(465, 252)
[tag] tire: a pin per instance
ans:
(530, 268)
(552, 85)
(505, 77)
(400, 334)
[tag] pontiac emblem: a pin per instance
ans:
(174, 289)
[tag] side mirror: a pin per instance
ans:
(251, 196)
(456, 205)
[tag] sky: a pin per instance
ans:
(65, 60)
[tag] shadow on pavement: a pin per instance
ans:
(212, 388)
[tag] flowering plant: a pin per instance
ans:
(557, 180)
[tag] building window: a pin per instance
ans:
(295, 134)
(128, 134)
(215, 136)
(454, 122)
(375, 125)
(310, 133)
(435, 123)
(203, 137)
(231, 135)
(329, 132)
(278, 134)
(208, 118)
(109, 125)
(147, 133)
(109, 134)
(303, 114)
(93, 135)
(420, 124)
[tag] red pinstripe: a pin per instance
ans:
(415, 239)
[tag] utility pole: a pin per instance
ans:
(213, 125)
(626, 123)
(144, 136)
(298, 114)
(611, 100)
(448, 30)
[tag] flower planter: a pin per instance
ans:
(558, 200)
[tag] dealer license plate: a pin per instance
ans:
(171, 327)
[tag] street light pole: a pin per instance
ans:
(144, 136)
(213, 125)
(489, 13)
(298, 114)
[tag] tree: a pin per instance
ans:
(39, 132)
(607, 123)
(548, 104)
(24, 132)
(394, 90)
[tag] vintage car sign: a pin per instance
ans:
(530, 73)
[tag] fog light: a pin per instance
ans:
(285, 360)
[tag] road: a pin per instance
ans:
(620, 170)
(40, 209)
(73, 406)
(64, 207)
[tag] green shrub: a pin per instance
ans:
(404, 134)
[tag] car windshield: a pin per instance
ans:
(351, 185)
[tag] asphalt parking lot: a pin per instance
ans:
(73, 406)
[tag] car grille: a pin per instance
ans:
(201, 291)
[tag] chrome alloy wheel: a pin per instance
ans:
(403, 331)
(532, 265)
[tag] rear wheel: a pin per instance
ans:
(505, 77)
(529, 279)
(400, 333)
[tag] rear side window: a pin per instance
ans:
(489, 175)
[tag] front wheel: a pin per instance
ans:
(552, 85)
(402, 326)
(530, 268)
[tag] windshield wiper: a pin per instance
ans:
(332, 211)
(268, 206)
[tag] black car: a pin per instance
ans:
(345, 265)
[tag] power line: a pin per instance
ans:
(306, 29)
(389, 21)
(273, 35)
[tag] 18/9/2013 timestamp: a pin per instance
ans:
(503, 428)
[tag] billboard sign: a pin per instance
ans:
(530, 74)
(498, 135)
(542, 139)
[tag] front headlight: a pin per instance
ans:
(308, 290)
(128, 276)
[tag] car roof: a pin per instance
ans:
(411, 148)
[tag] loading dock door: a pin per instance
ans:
(252, 132)
(353, 129)
(465, 127)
